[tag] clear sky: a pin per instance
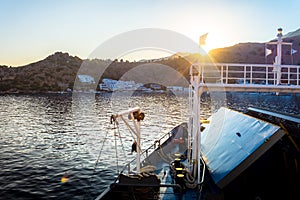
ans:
(33, 29)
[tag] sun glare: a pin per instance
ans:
(212, 42)
(215, 41)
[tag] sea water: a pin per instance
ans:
(63, 146)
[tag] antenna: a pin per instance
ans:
(278, 57)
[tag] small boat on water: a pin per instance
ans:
(231, 155)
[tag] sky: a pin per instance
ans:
(33, 29)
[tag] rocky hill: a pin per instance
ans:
(292, 34)
(54, 73)
(58, 72)
(255, 53)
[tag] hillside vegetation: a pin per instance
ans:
(59, 71)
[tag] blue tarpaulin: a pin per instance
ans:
(232, 141)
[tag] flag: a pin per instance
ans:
(202, 39)
(268, 51)
(293, 51)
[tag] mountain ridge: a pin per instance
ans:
(292, 33)
(57, 72)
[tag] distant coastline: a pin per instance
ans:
(58, 72)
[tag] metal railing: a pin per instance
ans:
(132, 164)
(263, 74)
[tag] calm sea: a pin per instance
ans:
(44, 138)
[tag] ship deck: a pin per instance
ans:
(239, 152)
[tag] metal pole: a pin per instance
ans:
(199, 135)
(297, 75)
(289, 74)
(196, 121)
(245, 73)
(265, 53)
(137, 126)
(226, 74)
(267, 74)
(251, 69)
(292, 54)
(138, 159)
(196, 82)
(222, 75)
(278, 61)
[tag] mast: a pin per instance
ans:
(279, 53)
(196, 89)
(278, 58)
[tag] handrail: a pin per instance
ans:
(233, 73)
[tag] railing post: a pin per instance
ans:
(251, 74)
(222, 76)
(267, 74)
(245, 74)
(297, 75)
(274, 75)
(288, 75)
(226, 74)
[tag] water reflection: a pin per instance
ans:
(46, 137)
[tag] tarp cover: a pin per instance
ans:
(230, 138)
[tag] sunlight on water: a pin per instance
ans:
(51, 143)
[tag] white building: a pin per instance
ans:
(118, 85)
(86, 79)
(178, 89)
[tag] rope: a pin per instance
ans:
(115, 134)
(100, 152)
(96, 164)
(162, 155)
(113, 120)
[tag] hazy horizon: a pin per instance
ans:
(32, 30)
